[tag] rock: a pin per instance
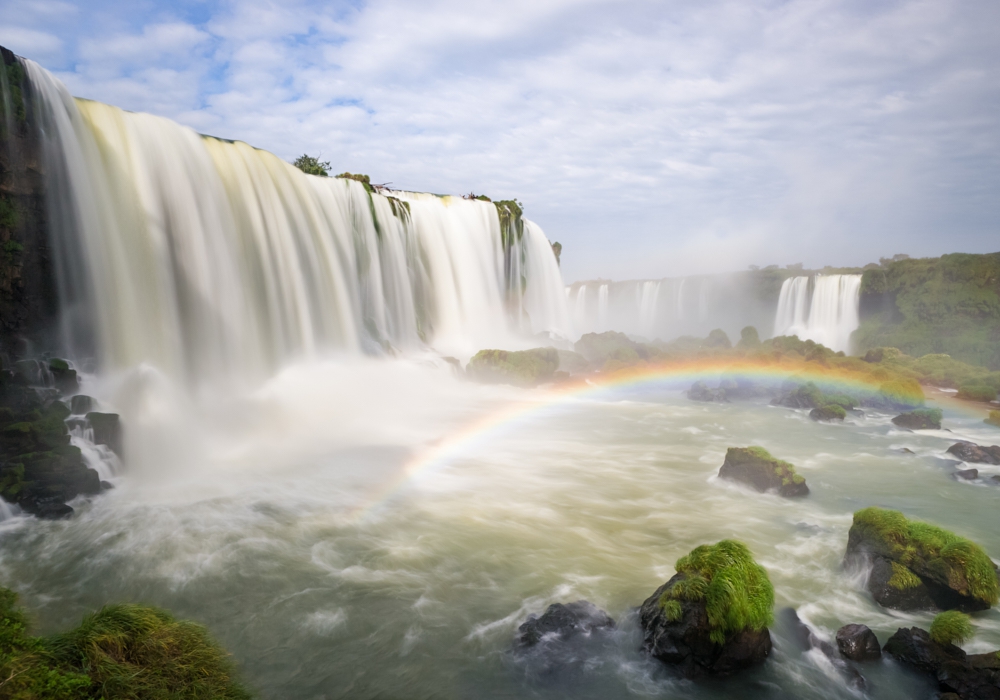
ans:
(718, 338)
(831, 412)
(562, 622)
(906, 451)
(675, 621)
(107, 430)
(967, 474)
(598, 348)
(971, 452)
(700, 391)
(106, 486)
(756, 467)
(806, 640)
(916, 566)
(520, 368)
(64, 378)
(806, 396)
(956, 673)
(573, 362)
(48, 509)
(919, 419)
(993, 419)
(82, 404)
(858, 643)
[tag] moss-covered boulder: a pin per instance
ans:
(712, 617)
(920, 419)
(700, 391)
(954, 673)
(809, 395)
(829, 413)
(521, 367)
(599, 348)
(971, 452)
(916, 565)
(756, 467)
(123, 652)
(993, 419)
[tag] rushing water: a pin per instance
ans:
(278, 525)
(829, 317)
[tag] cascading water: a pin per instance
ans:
(829, 318)
(205, 257)
(648, 295)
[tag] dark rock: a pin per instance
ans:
(920, 419)
(107, 430)
(700, 391)
(967, 474)
(971, 452)
(906, 451)
(82, 404)
(956, 673)
(858, 643)
(806, 640)
(756, 467)
(828, 413)
(805, 396)
(685, 642)
(892, 590)
(63, 377)
(106, 486)
(562, 622)
(48, 509)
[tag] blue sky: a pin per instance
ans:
(650, 138)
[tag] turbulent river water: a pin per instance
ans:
(379, 529)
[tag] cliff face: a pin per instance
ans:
(946, 305)
(27, 289)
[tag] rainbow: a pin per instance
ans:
(667, 376)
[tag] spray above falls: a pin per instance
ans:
(203, 257)
(829, 316)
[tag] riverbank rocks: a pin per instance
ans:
(858, 643)
(920, 419)
(916, 565)
(712, 617)
(520, 368)
(829, 413)
(756, 467)
(971, 452)
(562, 622)
(967, 676)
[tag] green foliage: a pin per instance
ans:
(58, 365)
(831, 411)
(903, 579)
(951, 627)
(311, 165)
(993, 418)
(9, 218)
(737, 591)
(930, 551)
(672, 610)
(932, 414)
(977, 392)
(522, 368)
(511, 213)
(15, 81)
(749, 339)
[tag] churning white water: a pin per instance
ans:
(829, 318)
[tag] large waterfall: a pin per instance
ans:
(204, 257)
(830, 317)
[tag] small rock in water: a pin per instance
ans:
(920, 419)
(828, 413)
(858, 643)
(106, 486)
(906, 451)
(756, 467)
(967, 474)
(971, 452)
(562, 622)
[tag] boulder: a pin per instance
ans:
(598, 348)
(712, 617)
(828, 413)
(562, 622)
(916, 565)
(107, 430)
(971, 452)
(920, 419)
(967, 474)
(81, 404)
(756, 467)
(858, 643)
(807, 640)
(700, 391)
(64, 378)
(957, 674)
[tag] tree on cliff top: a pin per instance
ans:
(312, 165)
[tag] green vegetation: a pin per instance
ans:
(511, 213)
(123, 652)
(557, 251)
(311, 165)
(829, 412)
(929, 551)
(363, 179)
(736, 590)
(15, 79)
(8, 214)
(749, 339)
(951, 627)
(718, 339)
(977, 392)
(521, 368)
(903, 579)
(948, 305)
(993, 418)
(785, 471)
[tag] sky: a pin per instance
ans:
(651, 138)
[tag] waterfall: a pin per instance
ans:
(832, 313)
(204, 257)
(648, 294)
(602, 308)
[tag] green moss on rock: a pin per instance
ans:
(830, 412)
(756, 467)
(521, 368)
(993, 418)
(951, 627)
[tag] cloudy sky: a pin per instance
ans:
(651, 138)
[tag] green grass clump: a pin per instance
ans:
(903, 579)
(951, 627)
(930, 551)
(737, 591)
(993, 418)
(977, 392)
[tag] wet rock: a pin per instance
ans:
(520, 368)
(106, 486)
(971, 452)
(919, 419)
(956, 673)
(831, 412)
(700, 391)
(82, 404)
(64, 378)
(599, 348)
(806, 640)
(894, 586)
(858, 643)
(967, 474)
(107, 430)
(47, 509)
(906, 451)
(562, 622)
(756, 467)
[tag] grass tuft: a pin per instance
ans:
(951, 627)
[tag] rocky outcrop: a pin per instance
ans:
(755, 467)
(563, 622)
(828, 414)
(520, 368)
(107, 430)
(858, 643)
(599, 348)
(968, 676)
(971, 452)
(920, 419)
(712, 617)
(810, 396)
(918, 566)
(700, 391)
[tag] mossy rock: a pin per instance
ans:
(521, 368)
(993, 419)
(977, 392)
(712, 617)
(598, 348)
(830, 412)
(938, 568)
(749, 339)
(756, 467)
(920, 419)
(700, 391)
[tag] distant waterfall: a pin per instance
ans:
(202, 256)
(648, 295)
(829, 318)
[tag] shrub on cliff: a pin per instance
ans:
(311, 165)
